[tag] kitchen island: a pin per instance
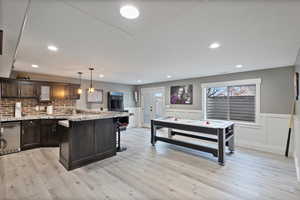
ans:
(88, 138)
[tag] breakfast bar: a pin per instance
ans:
(86, 139)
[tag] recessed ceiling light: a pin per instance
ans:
(101, 75)
(34, 66)
(239, 66)
(214, 45)
(52, 48)
(129, 12)
(169, 76)
(139, 81)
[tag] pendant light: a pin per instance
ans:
(91, 89)
(79, 91)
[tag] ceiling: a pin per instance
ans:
(171, 37)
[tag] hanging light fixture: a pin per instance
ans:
(79, 91)
(91, 89)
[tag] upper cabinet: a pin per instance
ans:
(28, 89)
(43, 91)
(9, 88)
(59, 91)
(18, 89)
(73, 91)
(65, 91)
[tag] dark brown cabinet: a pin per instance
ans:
(18, 89)
(44, 91)
(87, 141)
(49, 133)
(105, 137)
(9, 89)
(28, 89)
(30, 134)
(73, 92)
(65, 91)
(83, 140)
(39, 133)
(58, 92)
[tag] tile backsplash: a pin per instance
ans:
(60, 106)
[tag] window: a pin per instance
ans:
(236, 101)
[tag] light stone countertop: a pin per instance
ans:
(74, 117)
(104, 115)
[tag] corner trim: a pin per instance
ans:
(260, 147)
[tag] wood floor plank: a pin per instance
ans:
(2, 178)
(145, 172)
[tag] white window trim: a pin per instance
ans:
(257, 82)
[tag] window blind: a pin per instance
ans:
(231, 103)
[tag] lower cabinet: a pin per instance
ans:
(105, 136)
(39, 133)
(30, 134)
(83, 140)
(49, 133)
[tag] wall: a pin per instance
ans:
(106, 87)
(276, 88)
(126, 89)
(297, 125)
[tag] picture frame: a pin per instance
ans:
(95, 97)
(181, 94)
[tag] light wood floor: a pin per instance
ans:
(144, 172)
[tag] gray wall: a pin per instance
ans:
(276, 88)
(126, 89)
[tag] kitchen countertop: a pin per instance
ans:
(74, 117)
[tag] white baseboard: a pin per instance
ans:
(261, 147)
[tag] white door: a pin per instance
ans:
(153, 104)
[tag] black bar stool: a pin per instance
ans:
(120, 127)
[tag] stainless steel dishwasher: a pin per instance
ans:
(10, 137)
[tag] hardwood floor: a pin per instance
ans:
(145, 172)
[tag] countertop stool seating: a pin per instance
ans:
(121, 126)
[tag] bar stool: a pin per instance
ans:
(121, 127)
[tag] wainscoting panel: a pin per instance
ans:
(185, 114)
(268, 134)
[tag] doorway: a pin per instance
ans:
(153, 104)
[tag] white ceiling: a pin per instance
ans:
(171, 37)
